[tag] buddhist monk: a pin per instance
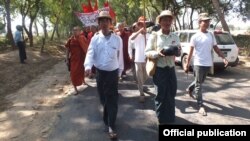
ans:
(76, 49)
(124, 35)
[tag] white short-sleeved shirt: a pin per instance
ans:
(140, 45)
(203, 44)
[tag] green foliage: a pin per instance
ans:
(61, 12)
(2, 16)
(127, 10)
(4, 43)
(2, 26)
(243, 42)
(242, 9)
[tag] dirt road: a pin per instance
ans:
(30, 94)
(34, 107)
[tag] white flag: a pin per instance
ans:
(89, 19)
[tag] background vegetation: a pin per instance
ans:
(57, 17)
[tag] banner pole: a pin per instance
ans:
(144, 14)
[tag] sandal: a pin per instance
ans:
(190, 93)
(76, 93)
(112, 135)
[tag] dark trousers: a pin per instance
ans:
(166, 87)
(200, 73)
(107, 87)
(22, 52)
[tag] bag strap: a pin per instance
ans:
(155, 40)
(154, 46)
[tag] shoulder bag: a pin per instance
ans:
(151, 63)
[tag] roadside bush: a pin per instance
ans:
(243, 42)
(4, 44)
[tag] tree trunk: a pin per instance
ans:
(9, 31)
(54, 30)
(183, 18)
(23, 24)
(179, 23)
(57, 32)
(191, 25)
(24, 13)
(45, 27)
(32, 16)
(30, 35)
(53, 33)
(221, 15)
(43, 44)
(36, 28)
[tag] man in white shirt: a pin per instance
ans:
(105, 53)
(131, 50)
(202, 44)
(139, 40)
(20, 43)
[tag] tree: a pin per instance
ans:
(242, 7)
(216, 5)
(2, 19)
(9, 31)
(28, 8)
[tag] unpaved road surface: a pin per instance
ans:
(34, 107)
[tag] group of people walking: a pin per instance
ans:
(111, 53)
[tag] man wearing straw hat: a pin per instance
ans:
(139, 39)
(164, 79)
(105, 53)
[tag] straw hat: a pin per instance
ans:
(204, 17)
(141, 19)
(104, 14)
(163, 14)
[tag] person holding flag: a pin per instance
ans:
(139, 40)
